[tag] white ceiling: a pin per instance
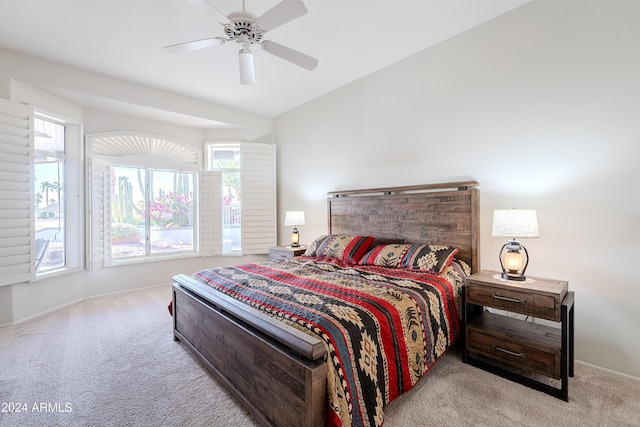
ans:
(124, 39)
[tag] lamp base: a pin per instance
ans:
(295, 238)
(513, 277)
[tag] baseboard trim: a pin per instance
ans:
(608, 371)
(77, 301)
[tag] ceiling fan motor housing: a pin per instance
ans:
(242, 26)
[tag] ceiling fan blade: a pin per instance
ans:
(194, 45)
(283, 12)
(298, 58)
(210, 10)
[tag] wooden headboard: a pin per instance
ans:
(443, 213)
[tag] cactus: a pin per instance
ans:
(175, 207)
(181, 184)
(123, 202)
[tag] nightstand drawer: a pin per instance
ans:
(535, 348)
(523, 302)
(283, 253)
(276, 255)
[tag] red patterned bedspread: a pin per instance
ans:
(384, 328)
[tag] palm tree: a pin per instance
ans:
(38, 199)
(55, 186)
(46, 186)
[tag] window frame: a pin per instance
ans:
(17, 194)
(135, 150)
(149, 197)
(73, 170)
(224, 171)
(259, 201)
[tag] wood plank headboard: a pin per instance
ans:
(443, 213)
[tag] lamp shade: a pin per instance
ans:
(515, 223)
(294, 218)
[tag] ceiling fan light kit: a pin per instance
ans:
(246, 29)
(247, 74)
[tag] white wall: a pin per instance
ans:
(58, 89)
(542, 107)
(108, 93)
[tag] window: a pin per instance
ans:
(167, 197)
(142, 196)
(248, 195)
(225, 158)
(56, 171)
(39, 193)
(189, 213)
(49, 159)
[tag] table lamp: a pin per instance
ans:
(294, 218)
(514, 223)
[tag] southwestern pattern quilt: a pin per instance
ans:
(384, 328)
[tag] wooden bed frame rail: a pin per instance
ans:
(277, 371)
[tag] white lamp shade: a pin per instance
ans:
(294, 218)
(515, 223)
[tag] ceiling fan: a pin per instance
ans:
(246, 29)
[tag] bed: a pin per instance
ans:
(330, 338)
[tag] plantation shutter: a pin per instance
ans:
(99, 202)
(210, 213)
(16, 193)
(258, 193)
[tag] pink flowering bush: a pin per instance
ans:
(172, 210)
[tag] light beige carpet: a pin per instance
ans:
(112, 361)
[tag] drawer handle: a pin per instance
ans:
(512, 353)
(507, 299)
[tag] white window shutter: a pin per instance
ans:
(258, 193)
(17, 263)
(99, 200)
(210, 213)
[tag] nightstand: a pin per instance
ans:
(282, 253)
(499, 342)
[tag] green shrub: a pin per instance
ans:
(46, 215)
(125, 233)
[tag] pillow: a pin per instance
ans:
(434, 258)
(342, 246)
